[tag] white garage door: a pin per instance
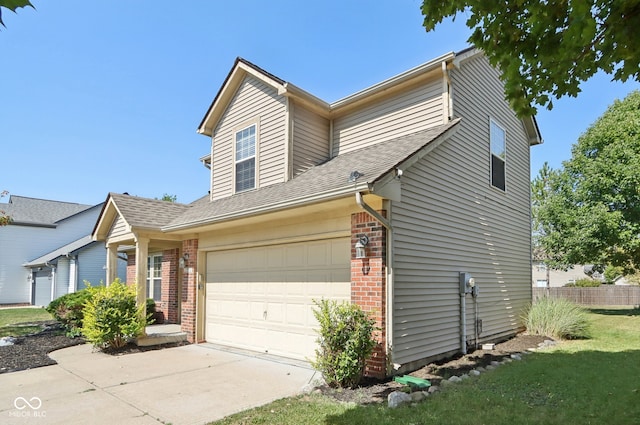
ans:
(261, 298)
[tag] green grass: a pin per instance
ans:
(589, 381)
(13, 320)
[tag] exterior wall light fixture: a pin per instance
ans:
(184, 260)
(361, 250)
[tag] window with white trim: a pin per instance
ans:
(245, 159)
(154, 277)
(498, 141)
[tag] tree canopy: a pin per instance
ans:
(169, 198)
(589, 210)
(547, 48)
(12, 5)
(4, 218)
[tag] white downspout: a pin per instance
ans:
(53, 281)
(389, 295)
(331, 138)
(73, 273)
(374, 213)
(447, 101)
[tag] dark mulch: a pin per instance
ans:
(32, 351)
(373, 391)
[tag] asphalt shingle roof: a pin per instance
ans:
(147, 213)
(23, 210)
(321, 182)
(371, 162)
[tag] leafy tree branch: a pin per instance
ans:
(546, 48)
(12, 5)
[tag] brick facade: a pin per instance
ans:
(168, 304)
(189, 289)
(368, 283)
(131, 268)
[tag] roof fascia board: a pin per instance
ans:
(533, 131)
(105, 221)
(239, 71)
(306, 99)
(297, 202)
(79, 212)
(32, 224)
(398, 80)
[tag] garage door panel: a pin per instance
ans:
(281, 280)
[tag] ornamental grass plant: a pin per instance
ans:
(557, 318)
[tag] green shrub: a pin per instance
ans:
(558, 318)
(612, 272)
(633, 279)
(69, 310)
(345, 342)
(111, 317)
(584, 283)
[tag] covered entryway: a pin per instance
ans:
(261, 298)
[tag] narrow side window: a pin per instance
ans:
(498, 142)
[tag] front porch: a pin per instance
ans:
(162, 334)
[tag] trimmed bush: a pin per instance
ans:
(584, 283)
(345, 342)
(558, 318)
(111, 317)
(69, 310)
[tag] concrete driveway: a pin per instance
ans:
(192, 384)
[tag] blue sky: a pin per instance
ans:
(105, 96)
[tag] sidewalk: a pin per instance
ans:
(192, 384)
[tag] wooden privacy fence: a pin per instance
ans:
(601, 295)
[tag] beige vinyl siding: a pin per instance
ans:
(412, 110)
(310, 139)
(259, 103)
(118, 228)
(451, 220)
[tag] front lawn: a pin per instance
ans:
(17, 321)
(592, 381)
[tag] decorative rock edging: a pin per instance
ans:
(399, 398)
(6, 341)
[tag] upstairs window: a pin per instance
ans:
(245, 159)
(498, 141)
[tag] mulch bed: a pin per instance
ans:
(32, 351)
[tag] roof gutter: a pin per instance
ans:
(297, 202)
(374, 213)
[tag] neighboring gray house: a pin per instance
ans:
(46, 251)
(385, 198)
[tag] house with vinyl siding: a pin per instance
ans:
(409, 198)
(47, 251)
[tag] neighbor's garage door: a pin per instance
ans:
(261, 298)
(42, 288)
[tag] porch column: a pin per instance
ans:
(112, 263)
(73, 274)
(142, 252)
